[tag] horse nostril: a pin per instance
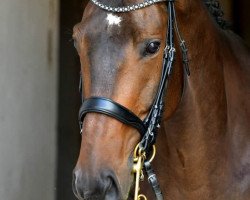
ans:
(102, 187)
(112, 191)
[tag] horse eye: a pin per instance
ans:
(153, 47)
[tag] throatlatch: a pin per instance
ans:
(151, 124)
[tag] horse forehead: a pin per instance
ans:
(150, 19)
(103, 24)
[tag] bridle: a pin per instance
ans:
(148, 127)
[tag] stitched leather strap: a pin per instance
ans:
(152, 179)
(108, 107)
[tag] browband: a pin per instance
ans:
(108, 107)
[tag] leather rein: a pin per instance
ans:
(148, 127)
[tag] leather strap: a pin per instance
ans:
(108, 107)
(152, 179)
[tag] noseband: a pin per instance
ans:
(148, 127)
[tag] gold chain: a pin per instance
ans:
(139, 158)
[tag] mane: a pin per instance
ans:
(216, 11)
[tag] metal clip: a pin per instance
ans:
(139, 158)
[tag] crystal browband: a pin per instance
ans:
(126, 8)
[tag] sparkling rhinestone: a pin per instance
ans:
(126, 8)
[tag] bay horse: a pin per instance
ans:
(203, 143)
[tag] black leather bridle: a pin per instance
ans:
(149, 126)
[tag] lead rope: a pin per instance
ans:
(153, 120)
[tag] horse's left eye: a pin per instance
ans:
(153, 47)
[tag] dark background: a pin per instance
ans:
(237, 12)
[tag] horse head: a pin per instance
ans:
(121, 58)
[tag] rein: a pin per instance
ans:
(149, 127)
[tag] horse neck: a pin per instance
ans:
(204, 99)
(205, 89)
(195, 135)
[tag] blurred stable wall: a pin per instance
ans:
(28, 101)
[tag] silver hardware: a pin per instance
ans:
(124, 9)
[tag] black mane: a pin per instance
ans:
(216, 11)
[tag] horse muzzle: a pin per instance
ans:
(103, 186)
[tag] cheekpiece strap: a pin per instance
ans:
(152, 179)
(153, 120)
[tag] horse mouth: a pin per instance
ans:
(111, 193)
(96, 197)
